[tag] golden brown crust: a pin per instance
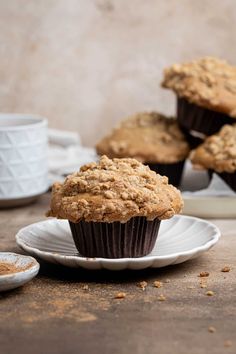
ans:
(147, 137)
(114, 190)
(207, 82)
(218, 152)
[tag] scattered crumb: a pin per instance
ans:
(167, 281)
(157, 284)
(226, 269)
(228, 343)
(161, 298)
(190, 287)
(210, 293)
(204, 274)
(142, 285)
(85, 287)
(211, 329)
(120, 295)
(203, 283)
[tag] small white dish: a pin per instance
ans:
(14, 280)
(180, 238)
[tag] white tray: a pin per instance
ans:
(204, 206)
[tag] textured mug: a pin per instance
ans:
(23, 156)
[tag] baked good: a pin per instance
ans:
(218, 154)
(206, 95)
(151, 138)
(114, 207)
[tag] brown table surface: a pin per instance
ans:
(55, 314)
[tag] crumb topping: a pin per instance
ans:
(147, 137)
(208, 82)
(114, 190)
(218, 152)
(211, 329)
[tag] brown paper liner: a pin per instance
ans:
(193, 138)
(201, 120)
(172, 170)
(135, 238)
(229, 178)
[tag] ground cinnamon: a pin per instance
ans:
(9, 268)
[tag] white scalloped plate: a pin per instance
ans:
(180, 239)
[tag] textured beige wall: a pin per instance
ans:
(85, 64)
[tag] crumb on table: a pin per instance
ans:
(204, 274)
(157, 284)
(161, 298)
(211, 329)
(120, 295)
(142, 285)
(210, 293)
(225, 269)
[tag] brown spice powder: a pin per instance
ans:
(9, 268)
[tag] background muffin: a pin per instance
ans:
(151, 138)
(218, 154)
(114, 207)
(206, 95)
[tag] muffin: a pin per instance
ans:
(218, 154)
(151, 138)
(114, 207)
(206, 96)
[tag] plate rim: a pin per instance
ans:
(41, 254)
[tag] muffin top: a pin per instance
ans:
(114, 190)
(147, 137)
(207, 82)
(218, 152)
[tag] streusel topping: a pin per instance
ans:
(147, 137)
(218, 152)
(114, 190)
(207, 82)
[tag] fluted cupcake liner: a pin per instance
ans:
(229, 178)
(194, 139)
(135, 238)
(173, 171)
(201, 120)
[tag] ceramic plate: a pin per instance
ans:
(180, 239)
(14, 280)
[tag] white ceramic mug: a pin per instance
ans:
(23, 156)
